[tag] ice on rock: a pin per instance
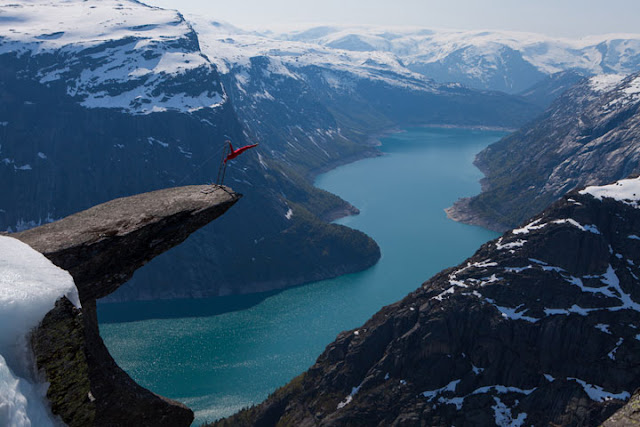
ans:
(29, 287)
(590, 228)
(598, 394)
(534, 225)
(511, 245)
(451, 387)
(503, 416)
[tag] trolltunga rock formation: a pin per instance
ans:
(101, 248)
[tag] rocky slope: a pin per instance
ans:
(539, 327)
(101, 248)
(549, 89)
(589, 136)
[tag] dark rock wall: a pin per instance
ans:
(539, 327)
(59, 345)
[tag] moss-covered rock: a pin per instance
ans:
(58, 345)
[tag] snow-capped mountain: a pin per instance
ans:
(315, 96)
(112, 54)
(230, 47)
(495, 60)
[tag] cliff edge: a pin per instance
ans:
(101, 248)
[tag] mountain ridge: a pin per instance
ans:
(508, 61)
(587, 137)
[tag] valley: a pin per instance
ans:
(229, 360)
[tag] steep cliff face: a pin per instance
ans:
(544, 92)
(589, 136)
(540, 326)
(101, 248)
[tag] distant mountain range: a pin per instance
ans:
(589, 136)
(511, 62)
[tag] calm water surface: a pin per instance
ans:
(219, 363)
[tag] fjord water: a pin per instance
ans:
(220, 355)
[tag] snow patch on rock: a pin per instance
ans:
(626, 191)
(29, 287)
(605, 82)
(598, 394)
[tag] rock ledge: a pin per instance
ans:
(102, 247)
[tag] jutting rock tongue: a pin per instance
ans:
(101, 248)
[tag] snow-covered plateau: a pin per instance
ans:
(111, 54)
(626, 191)
(29, 287)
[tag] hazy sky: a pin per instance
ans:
(573, 18)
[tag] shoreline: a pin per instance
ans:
(456, 212)
(372, 142)
(470, 127)
(369, 150)
(461, 212)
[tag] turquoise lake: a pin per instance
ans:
(217, 364)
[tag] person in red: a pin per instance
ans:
(235, 153)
